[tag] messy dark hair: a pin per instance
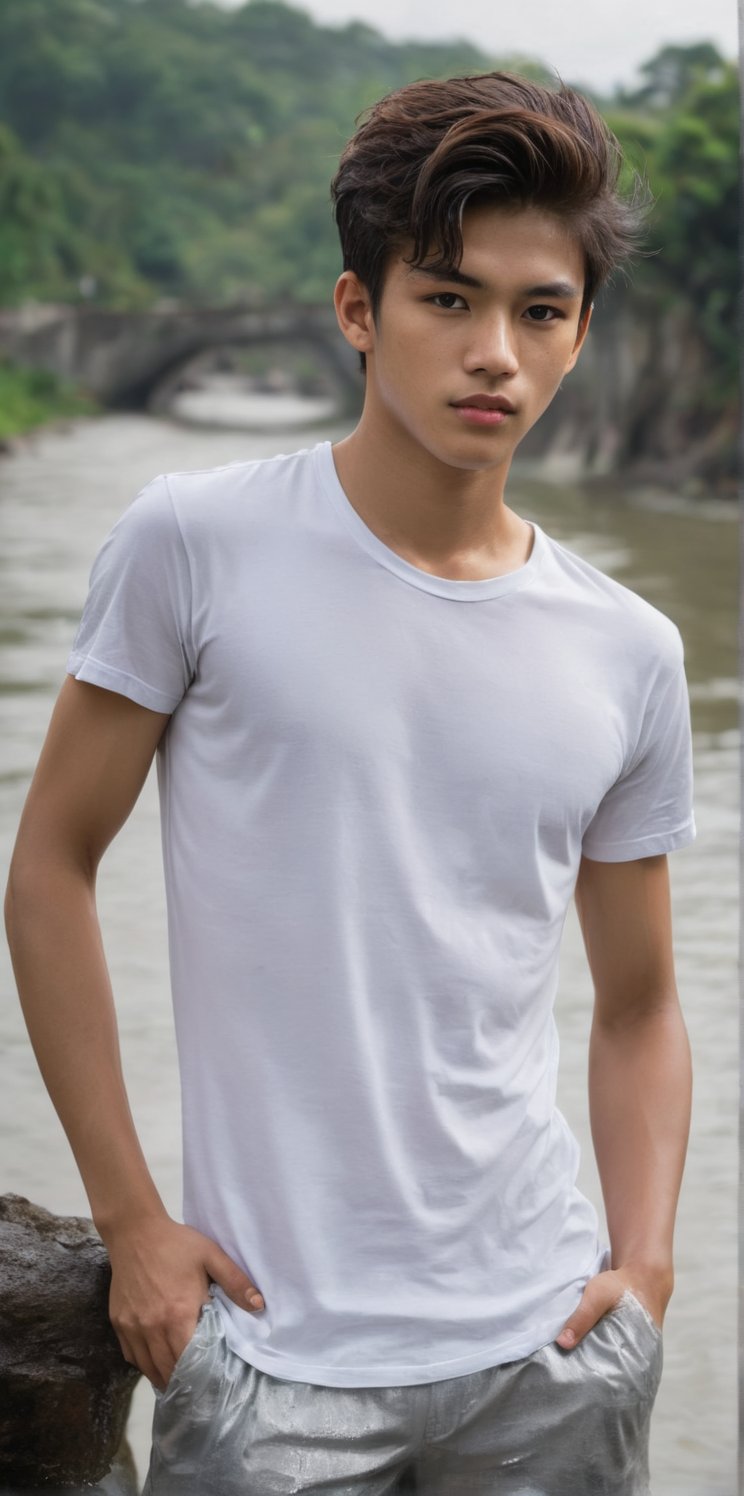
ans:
(427, 151)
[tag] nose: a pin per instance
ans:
(492, 347)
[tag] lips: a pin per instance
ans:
(485, 402)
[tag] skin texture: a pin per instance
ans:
(639, 1080)
(429, 486)
(432, 488)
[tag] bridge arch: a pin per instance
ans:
(158, 391)
(124, 358)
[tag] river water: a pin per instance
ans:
(58, 498)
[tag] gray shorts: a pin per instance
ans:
(557, 1423)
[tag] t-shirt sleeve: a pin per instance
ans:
(649, 810)
(135, 632)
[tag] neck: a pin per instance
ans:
(450, 521)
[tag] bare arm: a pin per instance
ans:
(95, 760)
(639, 1079)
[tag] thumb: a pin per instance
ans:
(231, 1278)
(600, 1295)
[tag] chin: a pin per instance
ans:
(463, 462)
(472, 456)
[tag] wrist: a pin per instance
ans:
(651, 1279)
(657, 1265)
(132, 1217)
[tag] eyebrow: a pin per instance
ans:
(560, 290)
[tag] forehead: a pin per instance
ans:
(525, 245)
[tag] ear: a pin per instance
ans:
(354, 312)
(582, 331)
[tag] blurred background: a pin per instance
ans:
(167, 259)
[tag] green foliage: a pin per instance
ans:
(686, 143)
(32, 226)
(30, 397)
(154, 148)
(671, 73)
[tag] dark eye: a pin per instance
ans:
(543, 313)
(446, 298)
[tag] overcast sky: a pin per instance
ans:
(598, 42)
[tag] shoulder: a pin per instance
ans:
(216, 507)
(239, 488)
(619, 617)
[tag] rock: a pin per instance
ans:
(120, 1481)
(65, 1388)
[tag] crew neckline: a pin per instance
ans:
(462, 591)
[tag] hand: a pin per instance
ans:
(603, 1292)
(161, 1272)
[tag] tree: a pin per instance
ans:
(672, 72)
(693, 169)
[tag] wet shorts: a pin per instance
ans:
(557, 1423)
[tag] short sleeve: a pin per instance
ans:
(649, 810)
(135, 632)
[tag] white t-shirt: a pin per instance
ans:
(376, 788)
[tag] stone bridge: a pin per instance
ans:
(131, 360)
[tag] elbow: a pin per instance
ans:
(655, 1003)
(40, 881)
(22, 897)
(15, 896)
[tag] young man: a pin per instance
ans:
(398, 728)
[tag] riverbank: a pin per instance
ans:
(32, 398)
